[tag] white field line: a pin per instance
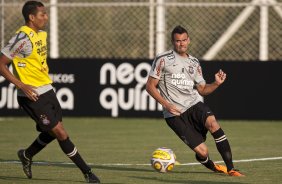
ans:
(124, 164)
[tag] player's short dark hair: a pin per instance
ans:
(30, 7)
(178, 30)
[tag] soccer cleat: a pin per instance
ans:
(90, 177)
(26, 163)
(235, 172)
(220, 168)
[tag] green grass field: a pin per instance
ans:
(119, 152)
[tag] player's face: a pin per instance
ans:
(180, 43)
(40, 19)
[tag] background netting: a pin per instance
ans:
(127, 28)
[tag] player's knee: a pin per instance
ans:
(202, 151)
(211, 124)
(60, 132)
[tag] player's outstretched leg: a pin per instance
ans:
(70, 150)
(224, 149)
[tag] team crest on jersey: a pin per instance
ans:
(44, 119)
(191, 70)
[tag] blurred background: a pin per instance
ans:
(244, 30)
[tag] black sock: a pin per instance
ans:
(206, 162)
(70, 150)
(223, 148)
(41, 141)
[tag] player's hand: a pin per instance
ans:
(29, 92)
(220, 77)
(173, 109)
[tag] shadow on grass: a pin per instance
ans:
(35, 180)
(120, 169)
(178, 181)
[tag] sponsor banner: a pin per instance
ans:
(116, 88)
(93, 87)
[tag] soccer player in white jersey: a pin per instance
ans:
(28, 52)
(177, 83)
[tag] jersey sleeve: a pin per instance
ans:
(199, 79)
(20, 45)
(157, 68)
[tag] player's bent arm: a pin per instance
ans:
(5, 72)
(206, 89)
(151, 88)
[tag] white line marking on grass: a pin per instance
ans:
(244, 160)
(122, 164)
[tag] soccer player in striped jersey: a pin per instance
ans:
(177, 83)
(28, 52)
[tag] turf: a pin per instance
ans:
(119, 152)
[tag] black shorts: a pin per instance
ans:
(46, 111)
(190, 125)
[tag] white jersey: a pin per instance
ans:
(177, 79)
